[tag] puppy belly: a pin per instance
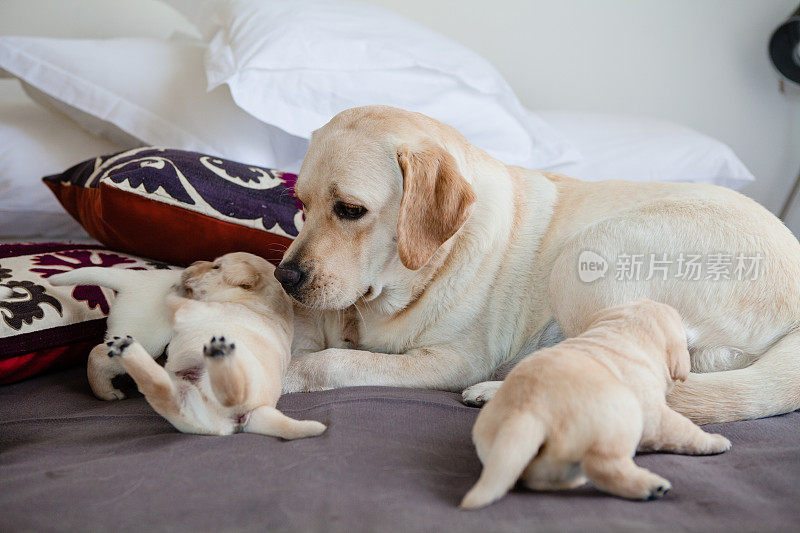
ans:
(544, 473)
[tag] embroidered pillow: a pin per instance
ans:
(178, 206)
(43, 327)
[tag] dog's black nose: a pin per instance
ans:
(290, 275)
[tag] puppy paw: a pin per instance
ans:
(110, 395)
(118, 345)
(480, 393)
(715, 443)
(659, 490)
(218, 347)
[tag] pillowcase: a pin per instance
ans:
(144, 91)
(179, 207)
(44, 327)
(297, 63)
(33, 143)
(646, 149)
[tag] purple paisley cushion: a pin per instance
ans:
(180, 206)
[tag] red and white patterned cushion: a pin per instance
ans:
(42, 326)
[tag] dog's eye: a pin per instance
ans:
(349, 211)
(215, 267)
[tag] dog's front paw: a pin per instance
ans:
(118, 345)
(294, 380)
(714, 444)
(480, 393)
(218, 347)
(305, 374)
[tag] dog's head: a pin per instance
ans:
(228, 277)
(381, 192)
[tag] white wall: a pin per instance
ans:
(702, 63)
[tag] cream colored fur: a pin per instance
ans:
(229, 336)
(583, 407)
(449, 320)
(139, 309)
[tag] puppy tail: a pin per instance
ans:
(515, 445)
(266, 420)
(770, 386)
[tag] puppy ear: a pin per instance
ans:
(436, 202)
(678, 358)
(241, 274)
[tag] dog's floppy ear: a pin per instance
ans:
(241, 274)
(437, 200)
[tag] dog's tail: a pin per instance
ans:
(266, 420)
(515, 445)
(768, 387)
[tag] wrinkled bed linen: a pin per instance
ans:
(392, 460)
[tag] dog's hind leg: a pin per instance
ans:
(678, 434)
(770, 386)
(267, 420)
(151, 379)
(620, 476)
(100, 370)
(229, 379)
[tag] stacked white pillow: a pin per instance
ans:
(289, 66)
(645, 149)
(145, 91)
(297, 63)
(276, 70)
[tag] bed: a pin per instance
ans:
(392, 459)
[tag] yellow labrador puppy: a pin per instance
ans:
(582, 408)
(457, 265)
(230, 349)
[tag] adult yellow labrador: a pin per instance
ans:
(427, 263)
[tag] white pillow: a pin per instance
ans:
(34, 143)
(645, 149)
(144, 91)
(296, 63)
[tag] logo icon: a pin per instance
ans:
(591, 266)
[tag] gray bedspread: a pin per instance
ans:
(392, 460)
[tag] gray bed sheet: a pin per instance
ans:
(392, 460)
